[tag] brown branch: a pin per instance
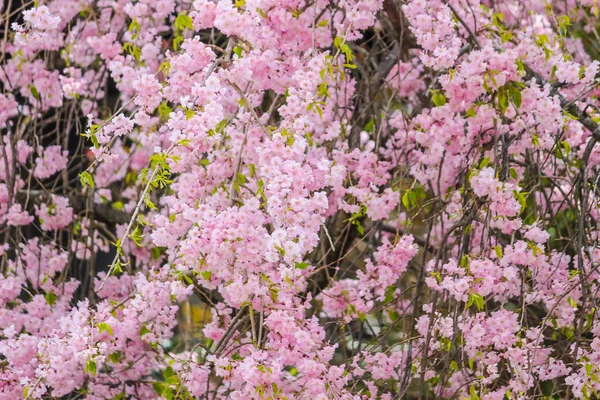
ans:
(370, 86)
(102, 212)
(566, 104)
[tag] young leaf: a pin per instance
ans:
(50, 298)
(438, 98)
(184, 21)
(136, 236)
(90, 367)
(302, 265)
(86, 179)
(104, 327)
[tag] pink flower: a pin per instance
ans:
(53, 160)
(17, 216)
(41, 18)
(56, 216)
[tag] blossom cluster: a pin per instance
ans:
(371, 200)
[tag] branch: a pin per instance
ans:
(566, 104)
(102, 212)
(417, 238)
(133, 219)
(403, 42)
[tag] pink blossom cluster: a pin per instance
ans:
(430, 228)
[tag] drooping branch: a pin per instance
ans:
(102, 212)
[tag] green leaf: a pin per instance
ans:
(241, 178)
(344, 48)
(150, 204)
(520, 66)
(302, 265)
(168, 373)
(471, 112)
(319, 111)
(502, 100)
(521, 199)
(50, 298)
(451, 74)
(563, 24)
(445, 343)
(136, 236)
(323, 88)
(484, 163)
(187, 279)
(360, 228)
(542, 40)
(473, 393)
(438, 98)
(117, 268)
(104, 327)
(165, 67)
(184, 21)
(207, 275)
(159, 387)
(476, 299)
(566, 146)
(86, 179)
(273, 292)
(406, 199)
(515, 96)
(90, 367)
(114, 357)
(144, 330)
(261, 13)
(164, 111)
(280, 250)
(454, 366)
(323, 23)
(498, 251)
(34, 92)
(134, 25)
(133, 50)
(177, 42)
(569, 116)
